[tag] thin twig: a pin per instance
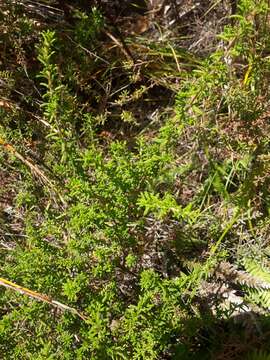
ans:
(121, 45)
(41, 297)
(9, 105)
(87, 50)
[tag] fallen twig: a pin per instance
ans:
(122, 46)
(41, 297)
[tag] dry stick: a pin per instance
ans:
(27, 162)
(33, 167)
(44, 122)
(121, 44)
(9, 105)
(41, 297)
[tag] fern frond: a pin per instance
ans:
(257, 270)
(260, 297)
(229, 272)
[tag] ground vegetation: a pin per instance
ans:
(134, 174)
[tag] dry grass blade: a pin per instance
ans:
(26, 161)
(123, 47)
(42, 9)
(41, 297)
(33, 167)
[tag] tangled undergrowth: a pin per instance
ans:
(134, 180)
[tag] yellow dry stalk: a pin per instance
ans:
(41, 297)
